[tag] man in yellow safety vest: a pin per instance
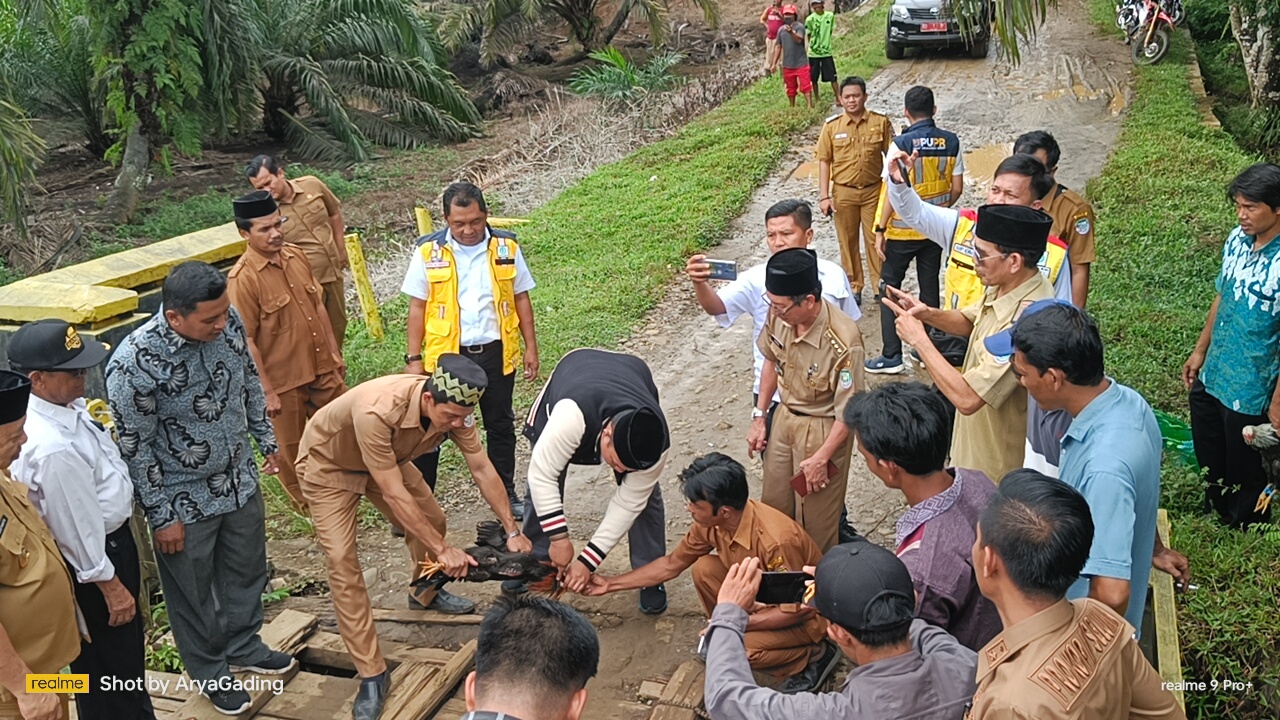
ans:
(468, 288)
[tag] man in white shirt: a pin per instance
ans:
(787, 224)
(468, 288)
(80, 486)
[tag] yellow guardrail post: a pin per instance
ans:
(364, 288)
(423, 216)
(1168, 648)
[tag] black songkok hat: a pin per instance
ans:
(460, 380)
(1014, 226)
(15, 389)
(792, 272)
(256, 204)
(639, 437)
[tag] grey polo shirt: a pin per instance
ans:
(933, 681)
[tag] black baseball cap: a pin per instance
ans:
(54, 345)
(852, 576)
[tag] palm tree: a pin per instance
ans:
(20, 152)
(340, 75)
(500, 25)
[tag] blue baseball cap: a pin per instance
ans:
(1001, 344)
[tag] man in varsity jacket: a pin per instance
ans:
(598, 407)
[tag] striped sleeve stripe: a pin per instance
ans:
(553, 523)
(592, 557)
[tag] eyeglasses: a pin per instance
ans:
(979, 259)
(775, 309)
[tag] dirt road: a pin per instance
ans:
(1073, 81)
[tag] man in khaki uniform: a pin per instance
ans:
(1072, 215)
(729, 527)
(991, 407)
(813, 358)
(850, 155)
(363, 444)
(1056, 659)
(315, 226)
(38, 622)
(292, 342)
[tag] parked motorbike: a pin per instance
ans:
(1147, 25)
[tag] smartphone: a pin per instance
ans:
(723, 269)
(779, 588)
(902, 170)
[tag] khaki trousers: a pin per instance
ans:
(9, 704)
(792, 440)
(781, 653)
(334, 512)
(335, 303)
(296, 408)
(855, 209)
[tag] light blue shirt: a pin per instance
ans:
(1111, 454)
(476, 312)
(1244, 350)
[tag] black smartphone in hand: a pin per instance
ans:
(723, 269)
(780, 588)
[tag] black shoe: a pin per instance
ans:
(371, 696)
(445, 602)
(653, 600)
(815, 673)
(229, 702)
(514, 587)
(277, 663)
(396, 530)
(845, 531)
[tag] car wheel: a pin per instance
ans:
(893, 51)
(979, 48)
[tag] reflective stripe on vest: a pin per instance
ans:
(443, 331)
(963, 288)
(931, 178)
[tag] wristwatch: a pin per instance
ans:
(411, 358)
(756, 413)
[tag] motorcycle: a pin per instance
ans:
(1146, 25)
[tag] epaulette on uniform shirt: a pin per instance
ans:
(833, 117)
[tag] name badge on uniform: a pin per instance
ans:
(774, 339)
(841, 136)
(4, 523)
(437, 264)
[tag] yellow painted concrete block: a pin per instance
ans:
(34, 299)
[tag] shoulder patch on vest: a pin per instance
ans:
(1083, 226)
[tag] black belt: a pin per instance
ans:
(808, 415)
(478, 349)
(855, 187)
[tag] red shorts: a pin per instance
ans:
(796, 78)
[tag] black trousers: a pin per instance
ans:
(646, 540)
(898, 255)
(846, 532)
(116, 652)
(496, 412)
(1235, 476)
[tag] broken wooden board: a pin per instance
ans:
(682, 693)
(328, 649)
(419, 689)
(313, 697)
(286, 634)
(425, 616)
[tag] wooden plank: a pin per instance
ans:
(425, 616)
(328, 650)
(310, 696)
(418, 689)
(288, 631)
(1168, 647)
(166, 685)
(684, 690)
(286, 634)
(453, 709)
(165, 705)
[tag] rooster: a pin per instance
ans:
(494, 562)
(1263, 438)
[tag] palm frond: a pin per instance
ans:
(231, 39)
(20, 152)
(312, 83)
(1016, 21)
(312, 141)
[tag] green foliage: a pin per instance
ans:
(1161, 223)
(150, 57)
(1208, 19)
(20, 152)
(342, 75)
(161, 655)
(502, 25)
(617, 78)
